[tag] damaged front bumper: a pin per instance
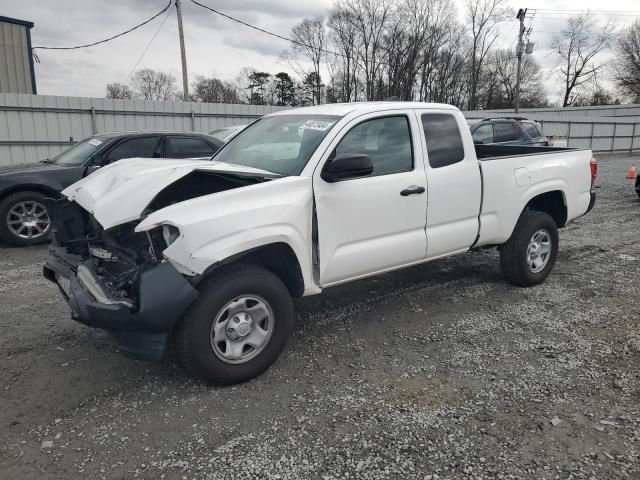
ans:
(141, 330)
(138, 303)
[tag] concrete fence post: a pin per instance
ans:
(613, 138)
(193, 121)
(593, 127)
(633, 137)
(568, 134)
(94, 123)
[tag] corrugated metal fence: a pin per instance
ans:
(613, 128)
(33, 127)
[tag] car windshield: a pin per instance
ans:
(79, 153)
(280, 144)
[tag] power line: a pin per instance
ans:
(282, 37)
(144, 52)
(110, 38)
(584, 10)
(287, 39)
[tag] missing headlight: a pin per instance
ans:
(170, 234)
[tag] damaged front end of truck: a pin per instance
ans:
(116, 278)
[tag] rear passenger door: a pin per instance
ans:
(453, 183)
(187, 147)
(506, 133)
(138, 147)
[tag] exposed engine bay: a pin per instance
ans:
(109, 262)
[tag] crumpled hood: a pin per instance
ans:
(119, 193)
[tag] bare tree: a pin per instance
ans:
(213, 90)
(445, 79)
(414, 33)
(443, 37)
(154, 85)
(483, 17)
(503, 69)
(310, 36)
(118, 90)
(369, 19)
(343, 40)
(627, 63)
(577, 45)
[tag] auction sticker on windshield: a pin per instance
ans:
(317, 125)
(95, 142)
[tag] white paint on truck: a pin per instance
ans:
(364, 225)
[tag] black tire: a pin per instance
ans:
(514, 254)
(192, 336)
(7, 234)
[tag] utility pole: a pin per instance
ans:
(185, 78)
(519, 51)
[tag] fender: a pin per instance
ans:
(31, 187)
(217, 227)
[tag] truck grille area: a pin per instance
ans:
(115, 257)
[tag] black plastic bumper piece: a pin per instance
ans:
(592, 202)
(164, 296)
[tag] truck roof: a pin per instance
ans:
(342, 109)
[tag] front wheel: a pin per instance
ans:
(237, 327)
(530, 253)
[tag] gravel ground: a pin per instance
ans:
(442, 371)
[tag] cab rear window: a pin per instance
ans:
(444, 142)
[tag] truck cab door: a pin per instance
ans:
(454, 183)
(376, 222)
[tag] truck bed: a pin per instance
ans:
(522, 173)
(490, 152)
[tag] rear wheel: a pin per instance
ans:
(237, 327)
(24, 219)
(530, 254)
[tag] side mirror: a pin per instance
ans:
(346, 165)
(98, 161)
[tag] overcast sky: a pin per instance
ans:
(215, 45)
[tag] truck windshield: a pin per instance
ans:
(79, 153)
(280, 144)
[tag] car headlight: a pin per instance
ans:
(170, 234)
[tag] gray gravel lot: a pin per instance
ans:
(442, 371)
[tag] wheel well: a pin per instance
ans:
(278, 258)
(552, 203)
(29, 188)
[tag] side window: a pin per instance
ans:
(387, 141)
(505, 132)
(531, 129)
(187, 147)
(483, 134)
(444, 143)
(143, 147)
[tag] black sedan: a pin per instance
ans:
(24, 219)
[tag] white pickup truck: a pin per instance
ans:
(207, 254)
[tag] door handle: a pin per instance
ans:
(412, 190)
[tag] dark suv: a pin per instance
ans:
(508, 131)
(24, 219)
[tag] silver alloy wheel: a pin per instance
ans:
(242, 329)
(539, 251)
(28, 220)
